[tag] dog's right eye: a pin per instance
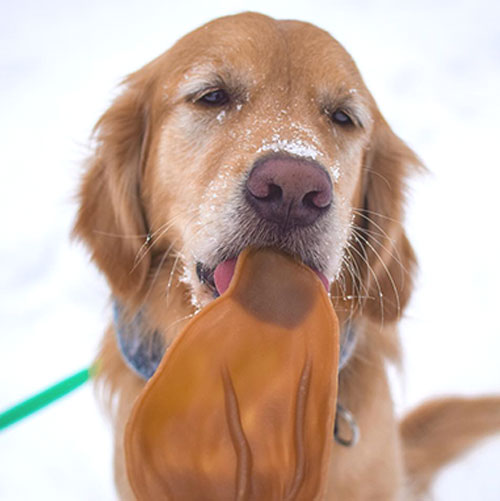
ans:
(215, 97)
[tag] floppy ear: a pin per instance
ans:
(111, 218)
(390, 261)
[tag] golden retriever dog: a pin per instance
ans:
(256, 132)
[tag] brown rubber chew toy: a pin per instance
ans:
(242, 406)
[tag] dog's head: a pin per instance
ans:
(249, 132)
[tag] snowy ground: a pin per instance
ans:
(433, 66)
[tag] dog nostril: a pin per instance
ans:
(264, 189)
(317, 200)
(274, 194)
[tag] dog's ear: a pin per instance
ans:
(390, 263)
(111, 219)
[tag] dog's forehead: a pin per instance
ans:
(259, 48)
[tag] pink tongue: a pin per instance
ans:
(225, 271)
(223, 275)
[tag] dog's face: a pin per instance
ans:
(249, 132)
(260, 122)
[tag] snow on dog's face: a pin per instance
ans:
(250, 132)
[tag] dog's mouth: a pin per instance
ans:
(218, 279)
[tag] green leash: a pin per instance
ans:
(45, 397)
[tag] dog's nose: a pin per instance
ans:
(289, 191)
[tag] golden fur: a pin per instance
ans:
(165, 165)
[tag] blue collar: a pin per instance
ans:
(143, 348)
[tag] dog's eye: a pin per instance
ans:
(340, 117)
(216, 97)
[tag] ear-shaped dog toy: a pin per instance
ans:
(242, 405)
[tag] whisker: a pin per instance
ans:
(159, 269)
(357, 275)
(164, 257)
(373, 274)
(355, 279)
(178, 256)
(386, 269)
(362, 292)
(153, 238)
(362, 210)
(342, 279)
(376, 173)
(119, 235)
(171, 276)
(396, 256)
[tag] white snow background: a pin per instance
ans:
(434, 68)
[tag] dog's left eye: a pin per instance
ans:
(341, 117)
(216, 97)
